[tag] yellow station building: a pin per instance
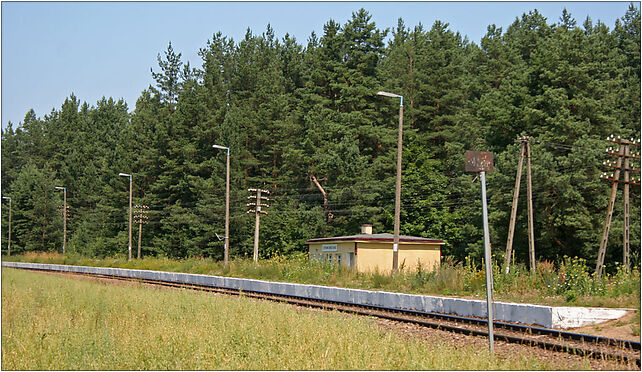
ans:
(370, 252)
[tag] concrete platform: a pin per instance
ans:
(544, 316)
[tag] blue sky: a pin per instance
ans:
(96, 49)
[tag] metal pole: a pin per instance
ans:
(513, 212)
(489, 270)
(129, 251)
(531, 233)
(64, 223)
(227, 210)
(9, 245)
(395, 246)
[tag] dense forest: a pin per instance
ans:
(304, 121)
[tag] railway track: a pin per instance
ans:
(591, 346)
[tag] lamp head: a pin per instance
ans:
(380, 93)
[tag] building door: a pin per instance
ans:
(350, 260)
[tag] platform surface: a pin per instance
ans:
(560, 317)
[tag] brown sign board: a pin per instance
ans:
(479, 161)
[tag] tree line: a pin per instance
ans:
(304, 121)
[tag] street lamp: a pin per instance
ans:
(64, 224)
(395, 246)
(129, 248)
(227, 205)
(9, 243)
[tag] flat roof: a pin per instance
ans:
(386, 237)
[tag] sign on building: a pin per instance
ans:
(329, 248)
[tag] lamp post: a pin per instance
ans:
(9, 243)
(395, 246)
(227, 205)
(64, 223)
(129, 248)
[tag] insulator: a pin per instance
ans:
(618, 137)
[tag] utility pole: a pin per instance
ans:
(257, 211)
(625, 238)
(531, 234)
(513, 211)
(140, 218)
(9, 243)
(623, 152)
(525, 150)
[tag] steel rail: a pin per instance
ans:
(396, 314)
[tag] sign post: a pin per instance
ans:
(482, 162)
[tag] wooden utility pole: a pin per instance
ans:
(140, 218)
(257, 211)
(513, 211)
(625, 238)
(525, 150)
(531, 233)
(623, 152)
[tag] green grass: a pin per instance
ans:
(571, 283)
(55, 322)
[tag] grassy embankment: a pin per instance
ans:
(54, 322)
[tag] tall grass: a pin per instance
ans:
(54, 322)
(570, 283)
